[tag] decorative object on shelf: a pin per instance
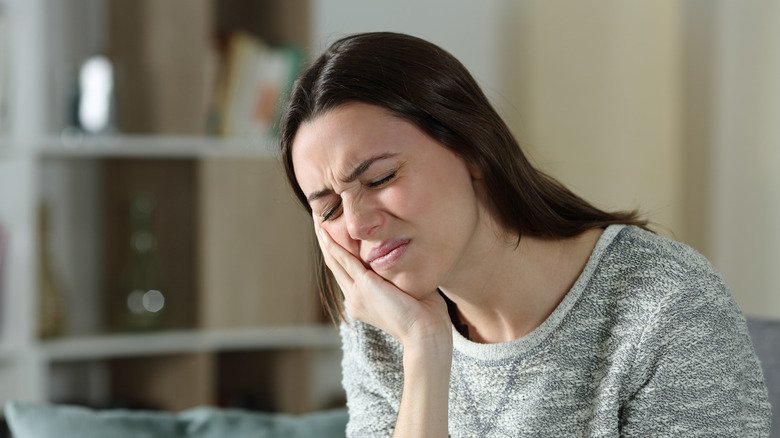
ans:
(171, 185)
(95, 96)
(51, 301)
(143, 303)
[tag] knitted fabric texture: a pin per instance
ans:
(648, 342)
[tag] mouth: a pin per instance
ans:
(387, 254)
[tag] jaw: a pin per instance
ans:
(481, 258)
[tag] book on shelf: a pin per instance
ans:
(253, 83)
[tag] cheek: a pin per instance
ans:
(338, 231)
(399, 201)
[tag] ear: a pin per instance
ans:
(474, 170)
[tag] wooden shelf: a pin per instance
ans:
(210, 191)
(186, 341)
(153, 146)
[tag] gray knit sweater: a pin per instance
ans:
(648, 342)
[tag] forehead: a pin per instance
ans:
(330, 144)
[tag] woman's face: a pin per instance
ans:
(393, 197)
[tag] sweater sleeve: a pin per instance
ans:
(372, 378)
(696, 371)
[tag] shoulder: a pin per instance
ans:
(649, 270)
(687, 332)
(675, 300)
(660, 291)
(634, 249)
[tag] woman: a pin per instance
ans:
(482, 297)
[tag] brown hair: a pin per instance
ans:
(425, 85)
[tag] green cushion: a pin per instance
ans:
(28, 420)
(32, 420)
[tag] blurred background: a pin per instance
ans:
(152, 256)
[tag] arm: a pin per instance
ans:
(376, 378)
(422, 327)
(424, 403)
(696, 371)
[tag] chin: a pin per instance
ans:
(414, 286)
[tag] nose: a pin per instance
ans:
(361, 216)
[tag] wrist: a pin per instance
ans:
(428, 333)
(428, 351)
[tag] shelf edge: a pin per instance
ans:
(154, 146)
(188, 341)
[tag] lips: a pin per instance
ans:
(387, 253)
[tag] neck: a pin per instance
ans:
(503, 291)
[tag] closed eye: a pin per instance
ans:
(331, 213)
(379, 182)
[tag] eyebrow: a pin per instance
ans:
(360, 169)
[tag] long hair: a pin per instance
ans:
(425, 85)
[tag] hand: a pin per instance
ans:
(372, 299)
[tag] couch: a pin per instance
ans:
(37, 420)
(34, 420)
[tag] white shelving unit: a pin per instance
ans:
(37, 161)
(21, 372)
(188, 341)
(150, 146)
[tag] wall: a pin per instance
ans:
(670, 107)
(467, 29)
(598, 100)
(591, 88)
(746, 153)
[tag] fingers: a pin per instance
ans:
(356, 281)
(325, 245)
(351, 265)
